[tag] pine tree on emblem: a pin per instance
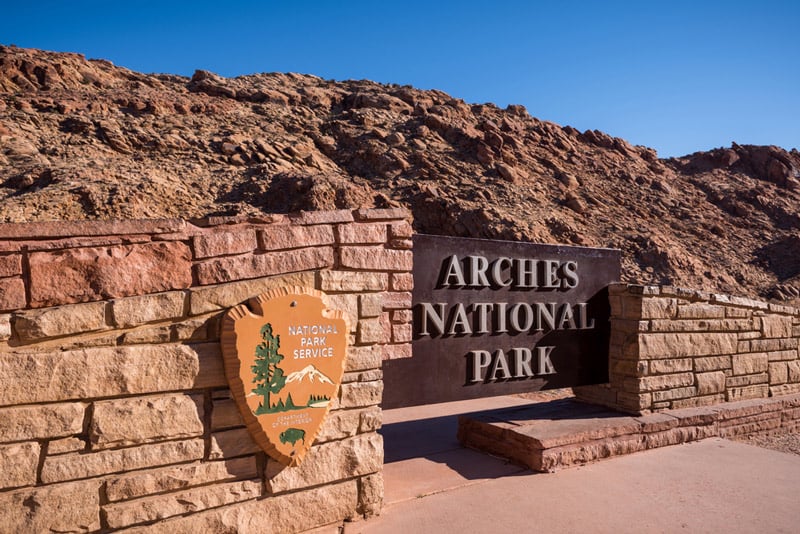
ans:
(269, 378)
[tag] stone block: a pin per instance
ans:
(213, 298)
(381, 214)
(140, 484)
(224, 243)
(322, 217)
(133, 311)
(27, 378)
(232, 443)
(375, 259)
(793, 369)
(782, 355)
(89, 274)
(784, 389)
(401, 316)
(675, 393)
(18, 464)
(371, 420)
(746, 408)
(679, 435)
(397, 301)
(197, 329)
(559, 457)
(738, 312)
(710, 383)
(654, 383)
(776, 326)
(759, 391)
(363, 376)
(774, 344)
(353, 281)
(370, 495)
(700, 325)
(342, 424)
(124, 422)
(699, 310)
(284, 237)
(10, 265)
(656, 308)
(5, 326)
(293, 512)
(401, 333)
(65, 445)
(746, 380)
(12, 294)
(233, 268)
(670, 366)
(147, 334)
(91, 228)
(362, 233)
(225, 414)
(778, 373)
(370, 304)
(70, 507)
(329, 462)
(712, 363)
(629, 326)
(32, 325)
(74, 466)
(44, 421)
(402, 282)
(347, 303)
(360, 358)
(401, 229)
(746, 364)
(632, 368)
(360, 394)
(696, 416)
(373, 330)
(774, 415)
(672, 345)
(691, 402)
(681, 325)
(657, 422)
(160, 507)
(402, 350)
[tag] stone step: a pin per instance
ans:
(554, 435)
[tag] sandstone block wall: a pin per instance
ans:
(672, 348)
(114, 408)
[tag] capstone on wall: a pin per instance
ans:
(672, 348)
(114, 408)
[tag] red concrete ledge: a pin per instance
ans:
(554, 435)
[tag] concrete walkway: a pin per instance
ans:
(434, 485)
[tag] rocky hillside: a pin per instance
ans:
(87, 140)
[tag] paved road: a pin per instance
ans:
(710, 486)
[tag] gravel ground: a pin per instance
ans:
(783, 442)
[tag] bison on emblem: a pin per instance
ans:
(293, 435)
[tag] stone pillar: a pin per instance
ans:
(673, 348)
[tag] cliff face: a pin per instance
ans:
(87, 140)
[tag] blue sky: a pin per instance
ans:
(674, 75)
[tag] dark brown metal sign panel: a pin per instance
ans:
(499, 317)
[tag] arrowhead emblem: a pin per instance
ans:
(284, 358)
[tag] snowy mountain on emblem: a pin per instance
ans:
(308, 373)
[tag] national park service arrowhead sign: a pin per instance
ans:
(284, 358)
